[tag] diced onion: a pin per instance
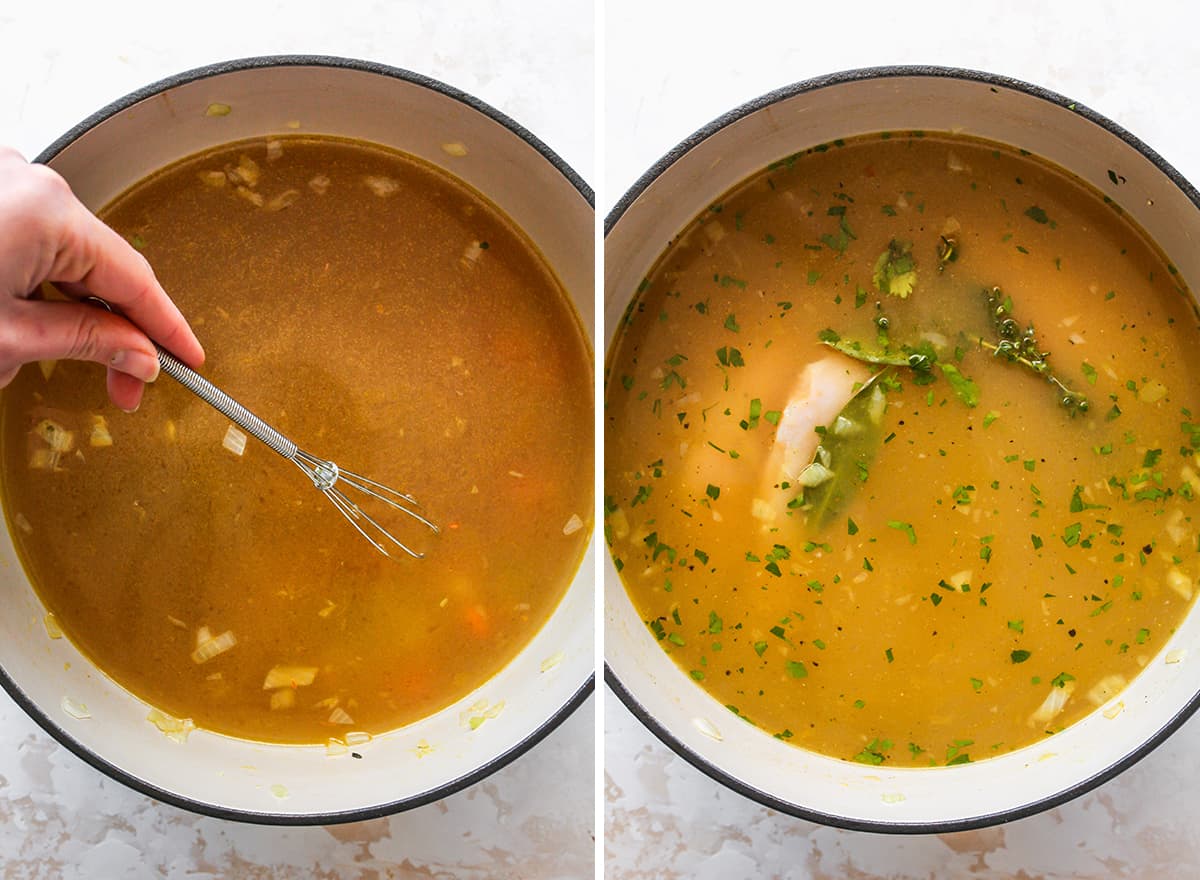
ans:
(217, 109)
(274, 149)
(176, 729)
(234, 441)
(334, 747)
(707, 728)
(213, 647)
(478, 713)
(380, 185)
(1054, 703)
(75, 709)
(357, 738)
(1114, 710)
(573, 525)
(471, 254)
(53, 630)
(251, 196)
(714, 231)
(762, 510)
(814, 474)
(215, 179)
(552, 661)
(23, 523)
(319, 184)
(1180, 583)
(47, 368)
(423, 748)
(1152, 392)
(289, 676)
(100, 435)
(285, 199)
(1107, 688)
(283, 698)
(1175, 655)
(454, 148)
(340, 716)
(246, 172)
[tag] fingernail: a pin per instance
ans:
(130, 411)
(136, 363)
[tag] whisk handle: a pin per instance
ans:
(224, 404)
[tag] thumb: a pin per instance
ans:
(42, 330)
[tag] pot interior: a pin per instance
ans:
(426, 760)
(685, 184)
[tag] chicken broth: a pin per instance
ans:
(847, 489)
(380, 313)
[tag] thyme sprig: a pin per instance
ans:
(1021, 347)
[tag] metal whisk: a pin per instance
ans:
(324, 474)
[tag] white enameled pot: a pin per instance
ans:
(678, 188)
(233, 778)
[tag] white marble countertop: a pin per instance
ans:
(60, 62)
(1133, 62)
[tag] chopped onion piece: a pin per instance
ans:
(100, 435)
(357, 738)
(328, 609)
(47, 368)
(213, 647)
(1114, 710)
(619, 523)
(274, 149)
(1054, 703)
(251, 196)
(289, 676)
(1175, 655)
(762, 510)
(280, 791)
(423, 748)
(813, 474)
(319, 184)
(246, 172)
(215, 179)
(573, 525)
(176, 622)
(334, 747)
(285, 199)
(53, 630)
(707, 728)
(217, 109)
(1152, 392)
(552, 661)
(1107, 688)
(203, 634)
(340, 716)
(176, 729)
(283, 698)
(454, 148)
(478, 713)
(380, 185)
(234, 441)
(1180, 583)
(23, 523)
(170, 430)
(75, 709)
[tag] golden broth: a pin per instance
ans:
(379, 313)
(992, 568)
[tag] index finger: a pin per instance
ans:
(93, 255)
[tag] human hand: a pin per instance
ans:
(46, 234)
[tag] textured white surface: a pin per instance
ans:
(1132, 62)
(58, 64)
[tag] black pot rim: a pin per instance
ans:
(374, 811)
(645, 715)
